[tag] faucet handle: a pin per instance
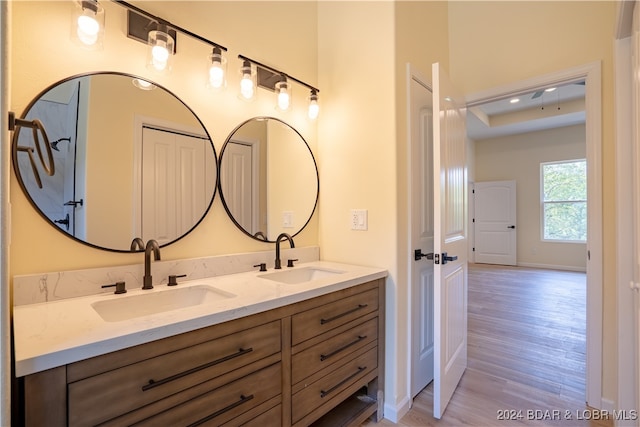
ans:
(120, 287)
(262, 265)
(290, 262)
(173, 279)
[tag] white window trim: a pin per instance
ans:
(543, 202)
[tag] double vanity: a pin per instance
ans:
(206, 341)
(290, 347)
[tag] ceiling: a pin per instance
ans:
(534, 111)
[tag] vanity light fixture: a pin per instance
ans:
(314, 108)
(162, 38)
(87, 25)
(274, 80)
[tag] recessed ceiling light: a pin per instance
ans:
(514, 100)
(551, 89)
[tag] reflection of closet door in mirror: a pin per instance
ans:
(97, 183)
(241, 182)
(280, 191)
(176, 182)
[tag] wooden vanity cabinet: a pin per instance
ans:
(319, 361)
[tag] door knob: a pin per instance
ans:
(418, 255)
(64, 221)
(446, 258)
(511, 226)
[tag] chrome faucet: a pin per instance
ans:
(136, 244)
(281, 237)
(152, 245)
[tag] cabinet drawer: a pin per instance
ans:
(335, 381)
(273, 417)
(316, 321)
(99, 398)
(224, 404)
(332, 349)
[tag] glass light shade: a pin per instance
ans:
(161, 46)
(247, 81)
(314, 108)
(87, 26)
(283, 91)
(217, 69)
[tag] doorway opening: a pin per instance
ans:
(590, 75)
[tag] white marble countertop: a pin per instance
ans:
(56, 333)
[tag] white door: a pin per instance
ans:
(174, 187)
(450, 239)
(495, 222)
(236, 178)
(421, 226)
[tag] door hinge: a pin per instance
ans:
(436, 258)
(473, 249)
(473, 220)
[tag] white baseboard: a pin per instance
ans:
(394, 413)
(553, 267)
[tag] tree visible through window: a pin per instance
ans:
(564, 200)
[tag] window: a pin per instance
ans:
(564, 201)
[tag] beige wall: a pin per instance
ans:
(495, 43)
(47, 55)
(357, 159)
(518, 158)
(364, 149)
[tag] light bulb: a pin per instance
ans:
(246, 86)
(160, 56)
(283, 99)
(282, 88)
(314, 108)
(88, 28)
(216, 76)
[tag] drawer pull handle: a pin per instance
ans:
(243, 399)
(153, 383)
(353, 310)
(324, 357)
(337, 386)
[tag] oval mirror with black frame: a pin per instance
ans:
(268, 178)
(130, 160)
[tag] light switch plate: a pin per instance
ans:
(359, 219)
(287, 219)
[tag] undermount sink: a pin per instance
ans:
(130, 307)
(300, 275)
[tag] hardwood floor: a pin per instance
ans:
(526, 353)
